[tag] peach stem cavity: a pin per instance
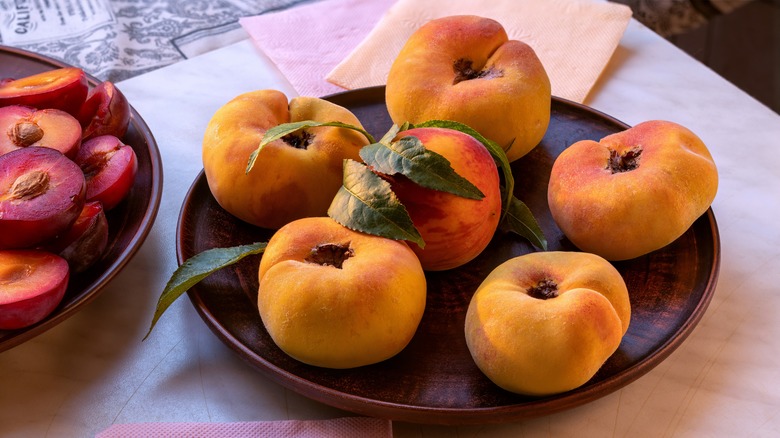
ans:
(625, 162)
(330, 254)
(544, 290)
(299, 139)
(464, 71)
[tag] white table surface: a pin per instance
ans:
(93, 370)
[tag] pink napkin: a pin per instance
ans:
(306, 42)
(349, 427)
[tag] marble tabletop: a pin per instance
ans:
(93, 370)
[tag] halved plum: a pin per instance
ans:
(63, 88)
(32, 285)
(42, 192)
(105, 112)
(109, 167)
(26, 126)
(85, 241)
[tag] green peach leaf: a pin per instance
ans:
(279, 131)
(520, 220)
(198, 267)
(498, 154)
(392, 132)
(409, 157)
(365, 202)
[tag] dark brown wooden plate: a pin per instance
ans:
(128, 223)
(434, 380)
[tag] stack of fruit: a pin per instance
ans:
(342, 281)
(62, 166)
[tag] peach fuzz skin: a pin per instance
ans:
(365, 311)
(455, 229)
(509, 103)
(631, 213)
(287, 182)
(534, 346)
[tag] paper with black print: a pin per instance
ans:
(118, 39)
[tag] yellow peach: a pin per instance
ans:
(296, 176)
(337, 298)
(464, 68)
(544, 323)
(634, 191)
(455, 229)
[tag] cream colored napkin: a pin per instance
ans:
(573, 38)
(348, 427)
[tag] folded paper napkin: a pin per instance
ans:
(574, 39)
(331, 45)
(307, 41)
(349, 427)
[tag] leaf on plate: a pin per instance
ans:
(498, 154)
(279, 131)
(409, 157)
(365, 202)
(521, 221)
(393, 132)
(198, 267)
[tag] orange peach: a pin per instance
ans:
(633, 192)
(465, 68)
(544, 323)
(337, 298)
(455, 229)
(294, 177)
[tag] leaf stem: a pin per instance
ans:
(284, 129)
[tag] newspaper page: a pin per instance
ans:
(117, 39)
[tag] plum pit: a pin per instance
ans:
(465, 71)
(330, 254)
(26, 133)
(625, 162)
(544, 289)
(30, 185)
